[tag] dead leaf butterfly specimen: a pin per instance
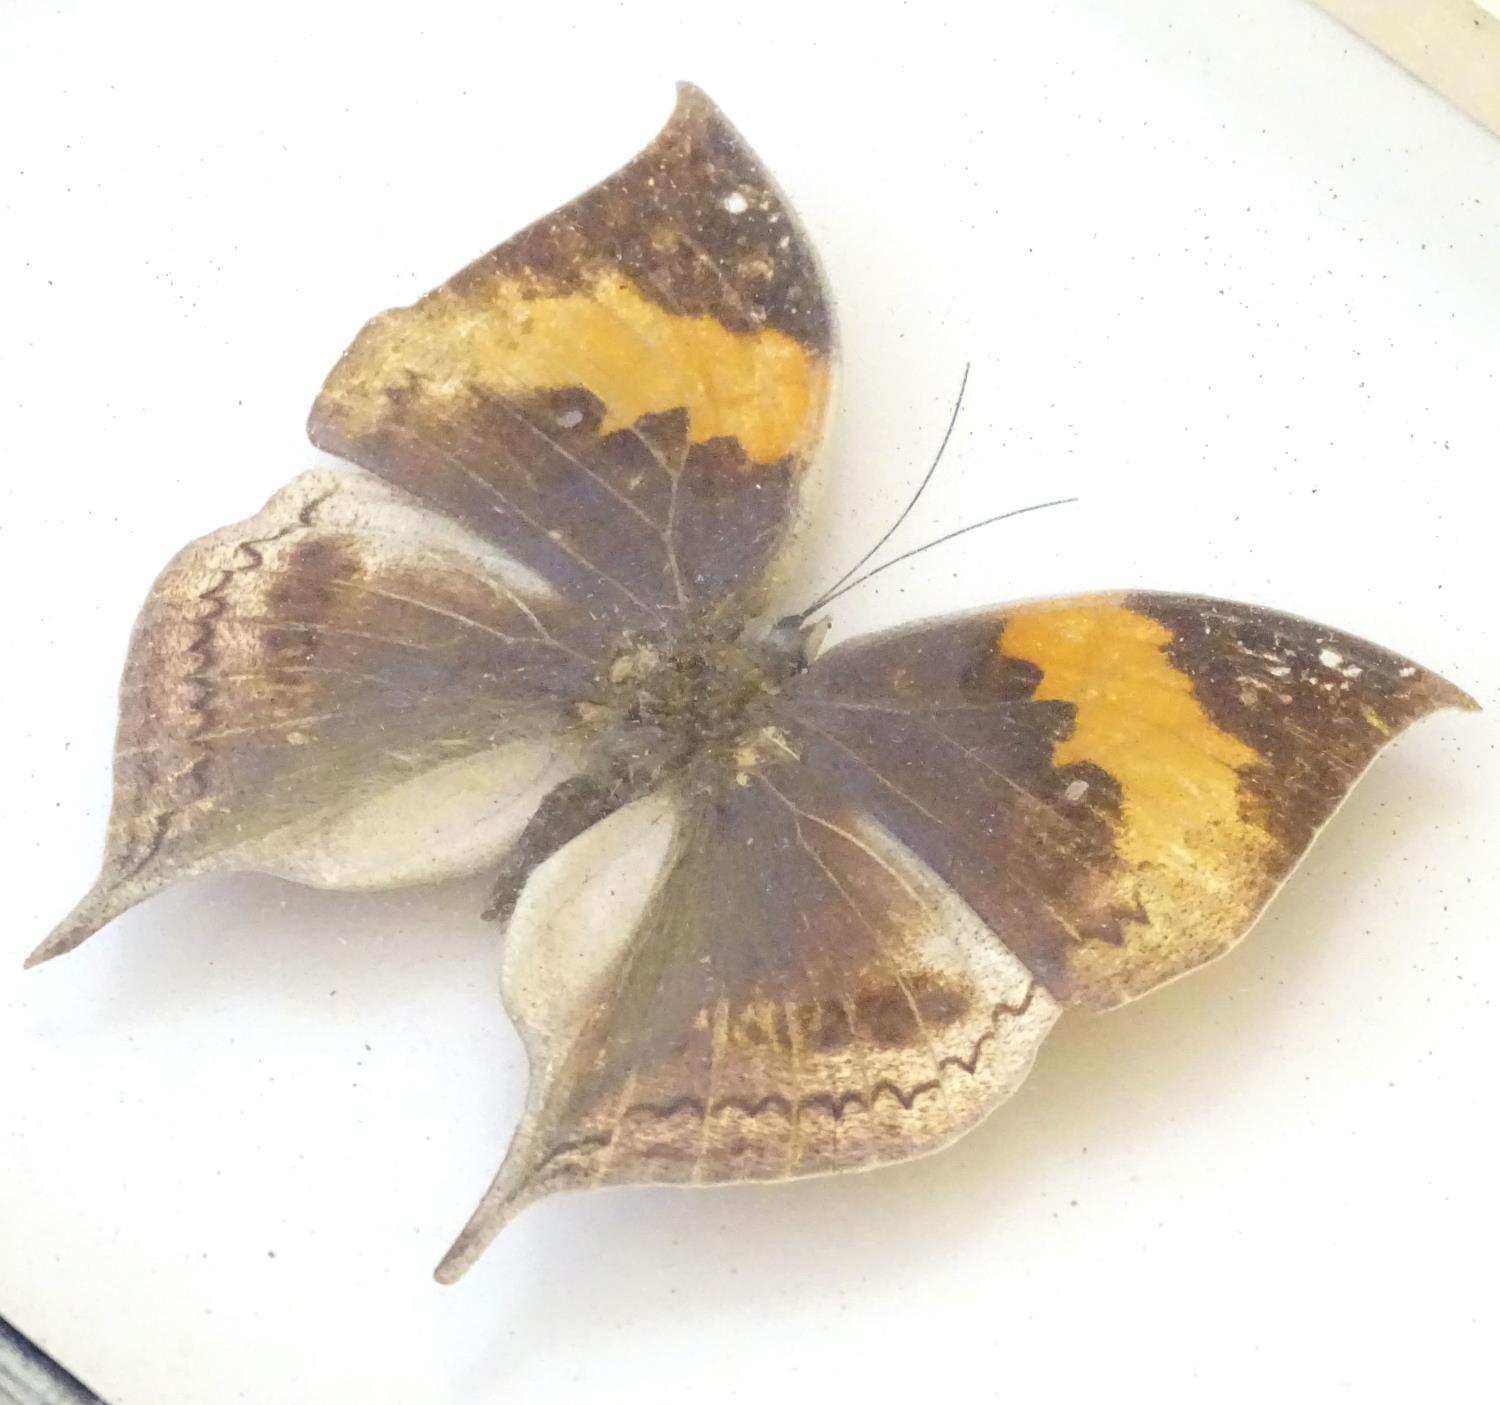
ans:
(576, 465)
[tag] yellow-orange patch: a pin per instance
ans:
(1192, 867)
(1136, 717)
(763, 388)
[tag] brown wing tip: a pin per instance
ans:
(515, 1186)
(43, 951)
(1450, 695)
(501, 1204)
(691, 97)
(1434, 693)
(62, 939)
(695, 110)
(105, 901)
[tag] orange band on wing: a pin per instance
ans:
(1136, 718)
(762, 388)
(1190, 862)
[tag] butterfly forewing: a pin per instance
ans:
(624, 394)
(1116, 783)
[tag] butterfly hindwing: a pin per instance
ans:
(1116, 783)
(623, 395)
(291, 682)
(799, 997)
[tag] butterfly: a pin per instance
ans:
(881, 871)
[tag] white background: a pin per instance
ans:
(1222, 271)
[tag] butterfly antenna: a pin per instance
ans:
(834, 594)
(890, 531)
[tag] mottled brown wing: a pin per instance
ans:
(623, 395)
(336, 690)
(799, 997)
(1117, 784)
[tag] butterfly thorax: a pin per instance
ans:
(694, 704)
(700, 694)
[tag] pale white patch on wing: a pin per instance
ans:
(563, 945)
(376, 510)
(573, 920)
(454, 819)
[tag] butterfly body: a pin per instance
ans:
(703, 693)
(879, 872)
(691, 708)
